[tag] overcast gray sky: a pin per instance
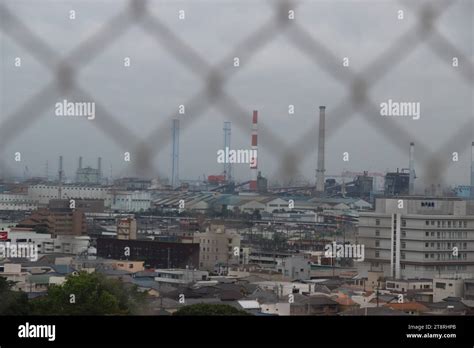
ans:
(147, 94)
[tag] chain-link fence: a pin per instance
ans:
(357, 101)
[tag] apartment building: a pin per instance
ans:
(127, 228)
(218, 248)
(418, 237)
(57, 222)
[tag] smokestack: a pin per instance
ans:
(80, 163)
(175, 155)
(60, 174)
(472, 170)
(99, 169)
(411, 164)
(227, 164)
(320, 170)
(253, 159)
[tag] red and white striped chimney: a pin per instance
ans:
(253, 159)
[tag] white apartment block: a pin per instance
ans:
(418, 237)
(45, 244)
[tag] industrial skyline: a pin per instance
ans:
(271, 79)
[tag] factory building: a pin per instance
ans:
(15, 201)
(89, 175)
(133, 201)
(44, 193)
(397, 183)
(154, 254)
(418, 237)
(85, 205)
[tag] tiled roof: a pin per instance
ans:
(408, 306)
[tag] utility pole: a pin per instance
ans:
(377, 293)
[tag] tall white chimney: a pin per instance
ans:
(320, 169)
(411, 184)
(472, 170)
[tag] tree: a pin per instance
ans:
(209, 309)
(256, 215)
(12, 302)
(41, 229)
(90, 294)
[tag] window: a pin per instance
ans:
(404, 245)
(377, 253)
(426, 256)
(427, 234)
(427, 223)
(377, 232)
(377, 243)
(377, 222)
(440, 286)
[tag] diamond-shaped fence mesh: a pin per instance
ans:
(356, 102)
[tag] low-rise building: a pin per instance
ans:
(295, 267)
(180, 276)
(469, 289)
(445, 287)
(406, 285)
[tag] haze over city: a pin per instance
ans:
(147, 94)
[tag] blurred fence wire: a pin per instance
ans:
(358, 84)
